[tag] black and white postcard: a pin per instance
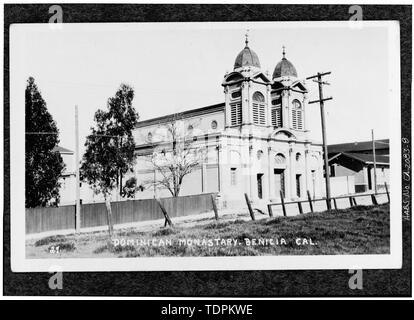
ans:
(242, 145)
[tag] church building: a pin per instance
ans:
(256, 142)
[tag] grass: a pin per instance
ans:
(357, 230)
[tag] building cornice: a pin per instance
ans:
(212, 137)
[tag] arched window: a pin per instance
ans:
(149, 137)
(259, 109)
(280, 159)
(297, 115)
(257, 96)
(276, 111)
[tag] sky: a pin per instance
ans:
(180, 66)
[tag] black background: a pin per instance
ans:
(322, 283)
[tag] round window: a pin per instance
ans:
(236, 94)
(214, 124)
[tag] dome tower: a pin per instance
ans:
(284, 69)
(247, 91)
(247, 59)
(288, 97)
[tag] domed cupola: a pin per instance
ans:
(284, 68)
(247, 58)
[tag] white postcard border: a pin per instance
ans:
(20, 263)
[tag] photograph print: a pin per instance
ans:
(205, 146)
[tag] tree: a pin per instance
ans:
(44, 164)
(175, 155)
(110, 146)
(130, 188)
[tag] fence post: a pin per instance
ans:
(335, 205)
(386, 190)
(167, 218)
(214, 207)
(109, 217)
(350, 202)
(374, 200)
(354, 200)
(249, 206)
(310, 201)
(282, 198)
(269, 208)
(327, 204)
(75, 216)
(300, 207)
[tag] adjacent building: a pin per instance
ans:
(356, 161)
(67, 181)
(67, 189)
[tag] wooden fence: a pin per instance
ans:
(313, 205)
(49, 219)
(94, 214)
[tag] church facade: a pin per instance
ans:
(256, 142)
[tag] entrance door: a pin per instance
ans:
(279, 181)
(260, 185)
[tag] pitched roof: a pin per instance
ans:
(358, 146)
(62, 150)
(369, 158)
(364, 158)
(184, 114)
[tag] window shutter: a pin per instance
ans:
(255, 113)
(300, 122)
(277, 116)
(259, 108)
(259, 114)
(262, 114)
(294, 119)
(236, 113)
(297, 115)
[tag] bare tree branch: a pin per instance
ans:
(174, 156)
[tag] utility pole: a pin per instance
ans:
(325, 147)
(78, 206)
(375, 161)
